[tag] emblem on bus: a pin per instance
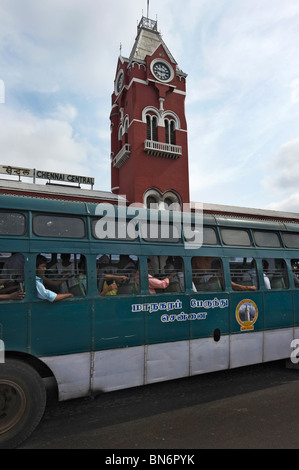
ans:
(246, 314)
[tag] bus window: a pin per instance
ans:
(295, 271)
(108, 228)
(209, 236)
(266, 238)
(12, 223)
(235, 237)
(275, 270)
(243, 274)
(207, 273)
(291, 240)
(117, 274)
(66, 273)
(48, 225)
(160, 231)
(166, 274)
(11, 272)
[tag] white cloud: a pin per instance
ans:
(50, 45)
(295, 91)
(284, 174)
(49, 144)
(290, 204)
(65, 113)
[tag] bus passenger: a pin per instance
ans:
(216, 265)
(42, 292)
(65, 269)
(266, 278)
(19, 295)
(179, 277)
(294, 264)
(14, 267)
(12, 274)
(236, 286)
(110, 286)
(154, 283)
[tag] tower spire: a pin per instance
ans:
(147, 15)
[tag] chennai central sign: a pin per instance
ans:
(47, 175)
(63, 177)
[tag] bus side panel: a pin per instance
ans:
(167, 335)
(246, 349)
(208, 313)
(278, 308)
(209, 327)
(277, 344)
(278, 324)
(118, 368)
(167, 361)
(60, 327)
(246, 325)
(116, 323)
(208, 355)
(13, 325)
(166, 318)
(296, 308)
(72, 373)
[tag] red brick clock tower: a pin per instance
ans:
(149, 153)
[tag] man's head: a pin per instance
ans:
(41, 265)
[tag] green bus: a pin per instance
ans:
(141, 309)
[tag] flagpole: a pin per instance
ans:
(147, 8)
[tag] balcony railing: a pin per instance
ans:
(160, 149)
(122, 156)
(147, 23)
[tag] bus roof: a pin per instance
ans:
(57, 191)
(60, 192)
(247, 212)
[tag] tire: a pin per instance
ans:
(22, 402)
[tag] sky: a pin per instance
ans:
(58, 61)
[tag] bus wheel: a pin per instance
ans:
(22, 402)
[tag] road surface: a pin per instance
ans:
(250, 408)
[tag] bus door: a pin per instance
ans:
(246, 313)
(118, 327)
(278, 309)
(209, 316)
(166, 309)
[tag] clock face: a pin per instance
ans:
(120, 81)
(161, 71)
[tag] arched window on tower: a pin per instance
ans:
(151, 127)
(152, 202)
(171, 201)
(120, 136)
(169, 131)
(126, 126)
